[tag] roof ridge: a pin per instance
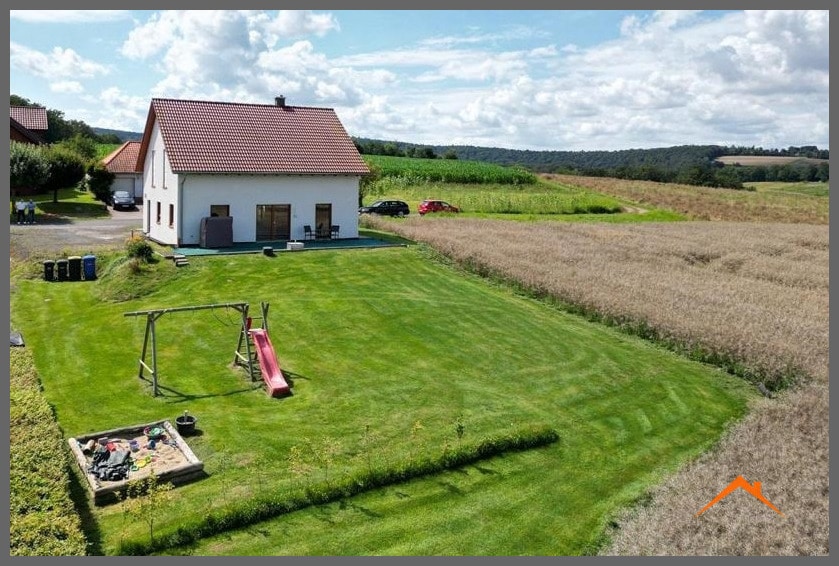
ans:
(233, 103)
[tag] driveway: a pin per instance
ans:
(73, 236)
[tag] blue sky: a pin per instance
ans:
(559, 79)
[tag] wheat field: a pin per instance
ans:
(755, 293)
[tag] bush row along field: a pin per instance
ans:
(759, 291)
(702, 203)
(43, 521)
(755, 295)
(537, 199)
(448, 170)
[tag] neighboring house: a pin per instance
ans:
(28, 124)
(122, 162)
(273, 168)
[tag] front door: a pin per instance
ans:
(273, 222)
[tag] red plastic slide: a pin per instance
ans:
(272, 374)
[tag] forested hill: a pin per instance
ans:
(669, 158)
(665, 159)
(123, 135)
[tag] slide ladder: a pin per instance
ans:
(275, 382)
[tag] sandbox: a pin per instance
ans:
(167, 455)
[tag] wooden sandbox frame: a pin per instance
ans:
(174, 462)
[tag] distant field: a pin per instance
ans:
(815, 189)
(703, 203)
(449, 170)
(766, 160)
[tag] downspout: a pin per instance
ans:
(179, 231)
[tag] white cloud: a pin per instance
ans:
(294, 23)
(669, 78)
(113, 108)
(67, 87)
(60, 62)
(68, 16)
(512, 34)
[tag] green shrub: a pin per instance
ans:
(140, 248)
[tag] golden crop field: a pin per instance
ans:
(757, 293)
(746, 160)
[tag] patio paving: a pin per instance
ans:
(279, 246)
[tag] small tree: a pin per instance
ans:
(145, 497)
(99, 181)
(66, 169)
(28, 166)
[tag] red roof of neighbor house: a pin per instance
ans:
(123, 159)
(31, 117)
(25, 133)
(227, 137)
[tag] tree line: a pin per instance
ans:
(68, 159)
(686, 164)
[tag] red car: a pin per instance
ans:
(429, 205)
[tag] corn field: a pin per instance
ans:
(415, 171)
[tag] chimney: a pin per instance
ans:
(280, 101)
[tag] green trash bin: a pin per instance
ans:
(74, 266)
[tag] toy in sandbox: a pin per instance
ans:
(254, 351)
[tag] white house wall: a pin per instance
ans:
(159, 187)
(242, 193)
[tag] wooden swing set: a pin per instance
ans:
(246, 358)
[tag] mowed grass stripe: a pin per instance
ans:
(388, 339)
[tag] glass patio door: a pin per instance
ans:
(323, 219)
(273, 222)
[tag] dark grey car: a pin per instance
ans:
(386, 208)
(122, 199)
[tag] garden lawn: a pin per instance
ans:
(393, 343)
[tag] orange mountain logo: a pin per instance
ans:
(740, 483)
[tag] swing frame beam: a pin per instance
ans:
(150, 337)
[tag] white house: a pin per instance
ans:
(273, 168)
(122, 162)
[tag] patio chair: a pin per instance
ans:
(307, 233)
(321, 232)
(335, 229)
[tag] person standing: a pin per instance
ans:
(30, 211)
(20, 208)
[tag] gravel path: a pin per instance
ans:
(69, 236)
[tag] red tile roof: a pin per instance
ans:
(123, 159)
(226, 137)
(31, 117)
(23, 134)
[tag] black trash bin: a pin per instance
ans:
(75, 267)
(89, 264)
(61, 269)
(49, 270)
